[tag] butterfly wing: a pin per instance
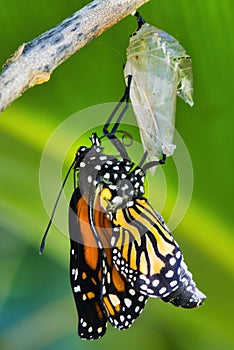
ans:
(144, 251)
(147, 255)
(85, 271)
(122, 303)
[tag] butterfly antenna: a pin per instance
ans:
(42, 246)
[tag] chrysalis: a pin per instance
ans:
(160, 70)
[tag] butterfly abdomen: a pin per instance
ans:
(187, 295)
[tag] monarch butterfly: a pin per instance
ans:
(121, 250)
(160, 69)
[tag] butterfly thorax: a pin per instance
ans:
(119, 182)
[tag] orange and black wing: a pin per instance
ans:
(144, 251)
(85, 271)
(147, 255)
(122, 302)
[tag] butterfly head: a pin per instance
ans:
(83, 153)
(88, 162)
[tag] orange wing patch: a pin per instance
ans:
(87, 237)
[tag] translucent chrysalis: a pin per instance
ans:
(160, 70)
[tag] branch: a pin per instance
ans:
(34, 61)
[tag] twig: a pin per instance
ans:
(34, 61)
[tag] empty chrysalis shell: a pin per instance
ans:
(160, 70)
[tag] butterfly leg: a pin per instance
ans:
(111, 134)
(153, 163)
(125, 98)
(140, 20)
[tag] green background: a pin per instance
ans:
(36, 305)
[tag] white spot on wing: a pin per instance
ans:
(173, 283)
(172, 261)
(162, 290)
(127, 302)
(77, 289)
(122, 318)
(151, 291)
(99, 330)
(137, 308)
(169, 274)
(144, 287)
(114, 299)
(113, 241)
(141, 298)
(155, 283)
